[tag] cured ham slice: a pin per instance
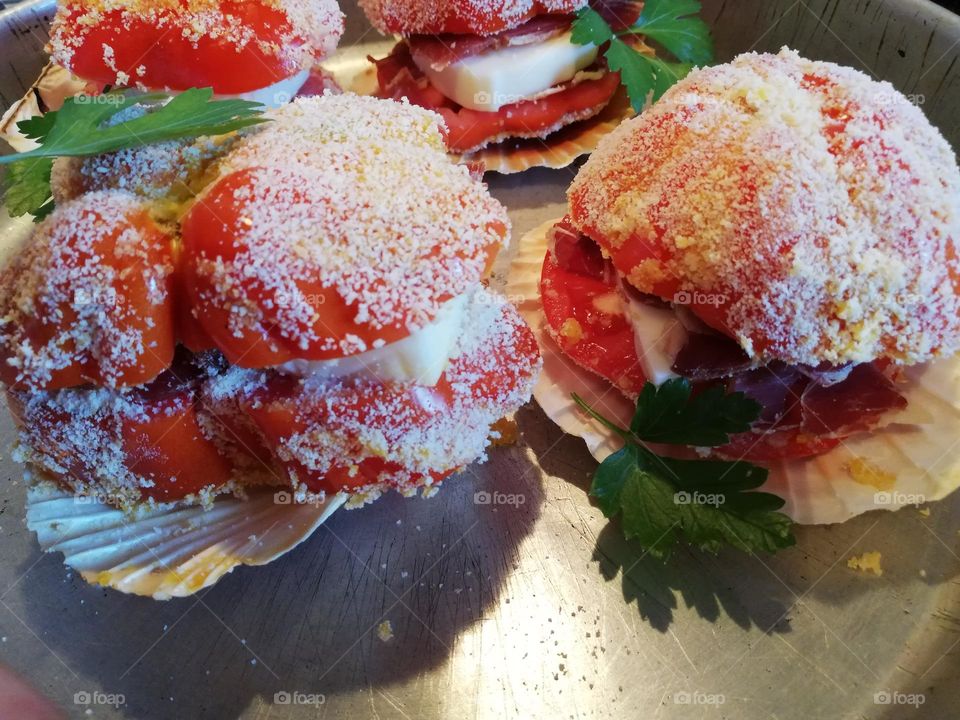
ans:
(442, 51)
(710, 357)
(852, 405)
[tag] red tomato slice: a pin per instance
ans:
(164, 53)
(281, 411)
(168, 446)
(467, 129)
(217, 231)
(577, 290)
(582, 305)
(155, 435)
(112, 333)
(465, 18)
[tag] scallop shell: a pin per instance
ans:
(54, 85)
(173, 551)
(897, 466)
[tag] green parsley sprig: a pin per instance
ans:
(708, 503)
(671, 23)
(82, 128)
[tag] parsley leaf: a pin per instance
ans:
(591, 29)
(671, 23)
(667, 414)
(707, 503)
(28, 187)
(82, 128)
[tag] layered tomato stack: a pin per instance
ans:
(263, 50)
(783, 227)
(496, 70)
(301, 304)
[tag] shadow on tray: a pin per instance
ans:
(377, 596)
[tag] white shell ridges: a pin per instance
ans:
(173, 551)
(897, 466)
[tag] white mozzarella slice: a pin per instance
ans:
(658, 334)
(508, 75)
(419, 358)
(278, 94)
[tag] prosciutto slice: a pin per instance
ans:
(710, 357)
(822, 401)
(442, 51)
(851, 405)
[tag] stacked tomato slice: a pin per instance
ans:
(806, 411)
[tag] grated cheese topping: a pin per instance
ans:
(315, 27)
(80, 437)
(821, 205)
(433, 17)
(87, 290)
(491, 374)
(356, 194)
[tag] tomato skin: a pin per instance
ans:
(170, 449)
(217, 230)
(573, 278)
(463, 17)
(61, 265)
(161, 53)
(156, 436)
(598, 340)
(468, 129)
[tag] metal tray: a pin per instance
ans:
(537, 609)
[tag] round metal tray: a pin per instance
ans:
(537, 609)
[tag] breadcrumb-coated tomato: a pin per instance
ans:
(145, 444)
(461, 17)
(89, 299)
(582, 306)
(259, 295)
(251, 45)
(468, 129)
(281, 414)
(167, 445)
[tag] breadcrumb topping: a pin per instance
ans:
(821, 205)
(433, 17)
(86, 290)
(315, 27)
(491, 374)
(359, 196)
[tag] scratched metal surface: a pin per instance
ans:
(539, 610)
